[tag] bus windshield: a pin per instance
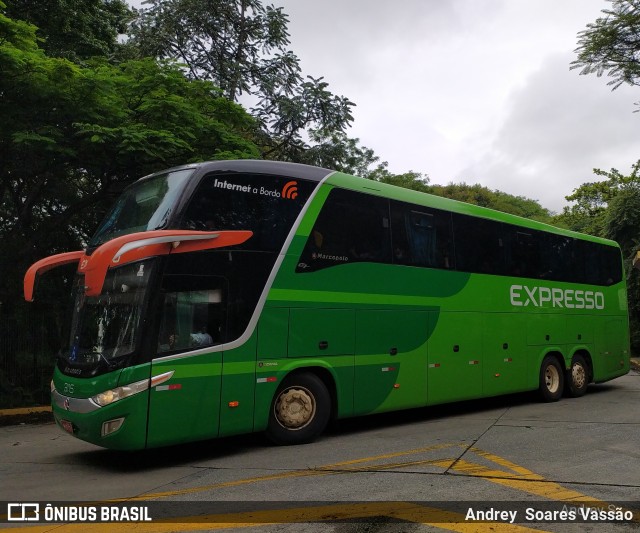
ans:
(105, 328)
(146, 205)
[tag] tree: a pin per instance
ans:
(622, 224)
(611, 44)
(74, 29)
(71, 137)
(340, 152)
(241, 46)
(611, 208)
(591, 200)
(498, 200)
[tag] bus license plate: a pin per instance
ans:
(67, 426)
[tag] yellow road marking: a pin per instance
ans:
(334, 468)
(532, 484)
(516, 477)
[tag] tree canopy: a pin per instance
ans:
(611, 44)
(610, 208)
(62, 164)
(498, 200)
(74, 29)
(242, 47)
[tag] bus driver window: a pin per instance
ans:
(191, 320)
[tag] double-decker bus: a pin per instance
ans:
(240, 296)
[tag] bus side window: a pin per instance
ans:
(191, 319)
(351, 227)
(480, 245)
(421, 236)
(524, 258)
(560, 260)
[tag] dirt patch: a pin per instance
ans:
(27, 418)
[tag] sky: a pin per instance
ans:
(471, 91)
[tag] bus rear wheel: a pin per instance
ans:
(551, 379)
(300, 410)
(577, 377)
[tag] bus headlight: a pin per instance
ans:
(113, 395)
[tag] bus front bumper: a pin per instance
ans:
(119, 426)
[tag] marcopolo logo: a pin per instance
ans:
(524, 296)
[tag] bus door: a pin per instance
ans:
(455, 357)
(192, 326)
(505, 353)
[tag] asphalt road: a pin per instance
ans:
(419, 470)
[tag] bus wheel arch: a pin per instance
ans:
(551, 377)
(301, 408)
(578, 375)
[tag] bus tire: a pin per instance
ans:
(300, 410)
(577, 377)
(551, 379)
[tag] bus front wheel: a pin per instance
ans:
(578, 376)
(300, 410)
(551, 379)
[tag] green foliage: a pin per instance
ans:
(622, 219)
(74, 29)
(621, 222)
(611, 208)
(611, 44)
(71, 137)
(591, 200)
(498, 200)
(340, 152)
(241, 45)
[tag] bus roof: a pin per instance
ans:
(355, 183)
(253, 166)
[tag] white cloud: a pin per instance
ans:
(558, 127)
(469, 90)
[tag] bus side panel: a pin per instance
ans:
(505, 353)
(455, 357)
(238, 388)
(321, 332)
(273, 333)
(391, 360)
(580, 329)
(546, 329)
(611, 347)
(187, 407)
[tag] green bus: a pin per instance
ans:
(231, 297)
